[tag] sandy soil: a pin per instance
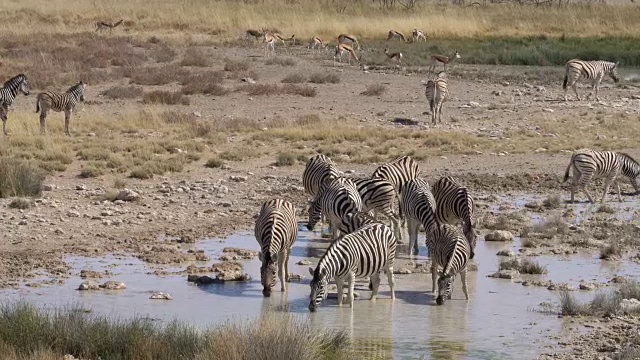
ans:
(486, 101)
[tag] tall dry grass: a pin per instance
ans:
(307, 18)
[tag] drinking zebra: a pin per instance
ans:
(276, 231)
(455, 205)
(336, 199)
(418, 205)
(588, 164)
(51, 100)
(8, 93)
(449, 249)
(379, 195)
(362, 253)
(590, 70)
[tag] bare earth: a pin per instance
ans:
(200, 202)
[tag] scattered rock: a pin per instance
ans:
(90, 274)
(89, 285)
(127, 195)
(48, 187)
(237, 178)
(294, 277)
(160, 296)
(73, 213)
(201, 280)
(499, 235)
(226, 266)
(587, 286)
(630, 305)
(506, 252)
(113, 285)
(241, 254)
(232, 276)
(303, 262)
(549, 110)
(81, 187)
(505, 274)
(402, 271)
(618, 280)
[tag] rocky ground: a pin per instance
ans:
(155, 217)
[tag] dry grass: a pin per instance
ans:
(123, 92)
(323, 78)
(282, 61)
(612, 251)
(19, 178)
(214, 163)
(91, 170)
(275, 89)
(547, 228)
(195, 57)
(524, 266)
(374, 90)
(286, 159)
(165, 97)
(161, 75)
(208, 82)
(606, 304)
(20, 203)
(296, 78)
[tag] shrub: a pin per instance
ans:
(552, 202)
(282, 61)
(374, 90)
(90, 171)
(570, 306)
(322, 78)
(142, 173)
(123, 92)
(18, 178)
(606, 209)
(20, 203)
(119, 183)
(195, 57)
(236, 66)
(274, 89)
(524, 266)
(294, 79)
(165, 97)
(611, 252)
(286, 159)
(214, 163)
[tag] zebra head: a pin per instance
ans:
(24, 85)
(314, 213)
(267, 273)
(77, 90)
(614, 72)
(445, 288)
(318, 287)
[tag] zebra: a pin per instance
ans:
(590, 70)
(336, 199)
(398, 172)
(588, 164)
(51, 100)
(418, 205)
(276, 231)
(362, 253)
(449, 249)
(453, 205)
(318, 170)
(378, 195)
(437, 92)
(8, 93)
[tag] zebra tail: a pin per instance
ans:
(566, 79)
(566, 173)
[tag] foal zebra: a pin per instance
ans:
(51, 100)
(449, 249)
(418, 205)
(336, 199)
(454, 205)
(276, 231)
(437, 91)
(378, 195)
(589, 164)
(8, 93)
(362, 253)
(590, 70)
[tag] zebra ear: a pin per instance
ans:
(311, 270)
(617, 63)
(260, 257)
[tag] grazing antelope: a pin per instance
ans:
(396, 34)
(347, 38)
(257, 35)
(283, 39)
(417, 35)
(444, 60)
(316, 44)
(269, 43)
(341, 49)
(102, 25)
(397, 56)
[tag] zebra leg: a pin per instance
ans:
(390, 278)
(575, 90)
(339, 284)
(412, 226)
(67, 117)
(607, 184)
(619, 197)
(43, 119)
(434, 276)
(463, 278)
(3, 115)
(282, 270)
(352, 281)
(375, 281)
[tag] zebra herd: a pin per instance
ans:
(45, 101)
(361, 245)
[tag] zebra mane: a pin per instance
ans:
(75, 87)
(13, 80)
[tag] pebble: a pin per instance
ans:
(303, 262)
(161, 296)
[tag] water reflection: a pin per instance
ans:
(447, 337)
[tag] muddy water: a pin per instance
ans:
(496, 323)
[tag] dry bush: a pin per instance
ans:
(165, 97)
(275, 89)
(552, 202)
(547, 228)
(611, 252)
(123, 92)
(119, 183)
(195, 57)
(374, 90)
(236, 66)
(282, 61)
(524, 266)
(286, 159)
(294, 79)
(20, 203)
(193, 125)
(323, 78)
(214, 163)
(157, 75)
(163, 53)
(208, 83)
(90, 171)
(18, 178)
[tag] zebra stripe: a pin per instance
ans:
(590, 70)
(418, 205)
(449, 249)
(398, 172)
(8, 93)
(589, 164)
(437, 92)
(51, 100)
(362, 253)
(276, 231)
(355, 221)
(378, 195)
(455, 205)
(336, 199)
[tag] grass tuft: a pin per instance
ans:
(286, 159)
(123, 92)
(90, 171)
(294, 79)
(18, 178)
(603, 304)
(214, 163)
(524, 266)
(612, 251)
(282, 61)
(275, 89)
(323, 78)
(552, 202)
(195, 57)
(374, 90)
(20, 203)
